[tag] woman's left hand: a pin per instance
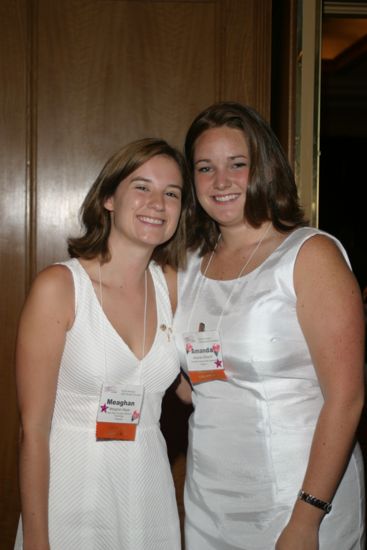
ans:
(294, 537)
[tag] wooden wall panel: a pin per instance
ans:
(112, 71)
(284, 67)
(109, 72)
(13, 207)
(80, 78)
(244, 52)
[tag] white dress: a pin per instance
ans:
(250, 436)
(110, 494)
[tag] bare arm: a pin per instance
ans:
(184, 390)
(183, 387)
(330, 312)
(47, 315)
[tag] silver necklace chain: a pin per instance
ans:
(203, 278)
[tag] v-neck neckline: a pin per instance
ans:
(111, 326)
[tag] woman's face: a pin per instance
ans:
(221, 171)
(146, 205)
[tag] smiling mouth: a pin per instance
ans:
(153, 221)
(225, 198)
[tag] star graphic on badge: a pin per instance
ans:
(104, 408)
(218, 363)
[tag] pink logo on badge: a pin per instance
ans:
(104, 408)
(218, 363)
(135, 416)
(188, 347)
(216, 349)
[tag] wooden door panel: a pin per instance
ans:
(95, 94)
(113, 71)
(13, 258)
(79, 79)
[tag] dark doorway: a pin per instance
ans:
(343, 141)
(343, 135)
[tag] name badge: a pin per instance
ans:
(204, 356)
(119, 411)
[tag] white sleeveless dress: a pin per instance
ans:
(250, 436)
(110, 494)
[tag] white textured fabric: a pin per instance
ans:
(250, 436)
(110, 494)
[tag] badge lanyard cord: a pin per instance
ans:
(201, 283)
(104, 324)
(203, 278)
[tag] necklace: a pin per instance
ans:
(203, 278)
(248, 259)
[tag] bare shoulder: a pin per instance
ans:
(318, 254)
(321, 269)
(320, 246)
(54, 279)
(53, 289)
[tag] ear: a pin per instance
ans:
(109, 204)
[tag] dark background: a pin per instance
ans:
(343, 164)
(343, 160)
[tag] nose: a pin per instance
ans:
(157, 202)
(222, 180)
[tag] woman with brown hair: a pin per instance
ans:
(94, 358)
(269, 325)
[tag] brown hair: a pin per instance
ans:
(96, 219)
(271, 192)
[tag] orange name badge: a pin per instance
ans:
(204, 356)
(119, 411)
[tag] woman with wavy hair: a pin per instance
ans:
(269, 325)
(94, 358)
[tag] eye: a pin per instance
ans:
(238, 165)
(204, 169)
(141, 187)
(174, 194)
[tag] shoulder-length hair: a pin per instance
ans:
(271, 191)
(96, 220)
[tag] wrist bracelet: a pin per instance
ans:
(325, 506)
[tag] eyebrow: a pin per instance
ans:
(148, 180)
(232, 157)
(140, 178)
